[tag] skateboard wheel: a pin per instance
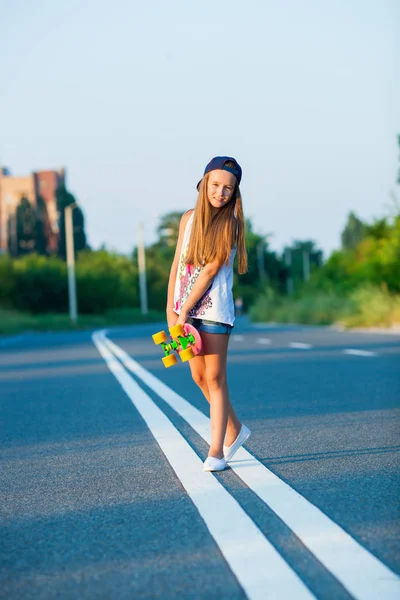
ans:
(186, 354)
(176, 331)
(160, 337)
(170, 360)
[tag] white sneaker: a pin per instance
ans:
(214, 464)
(229, 451)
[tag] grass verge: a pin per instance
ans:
(13, 322)
(367, 306)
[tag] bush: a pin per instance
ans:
(319, 308)
(374, 261)
(7, 281)
(373, 306)
(366, 306)
(40, 284)
(105, 281)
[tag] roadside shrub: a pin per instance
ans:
(40, 284)
(105, 281)
(366, 306)
(373, 306)
(7, 281)
(320, 308)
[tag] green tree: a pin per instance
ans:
(375, 260)
(168, 229)
(264, 269)
(78, 221)
(12, 237)
(26, 227)
(304, 255)
(64, 198)
(398, 175)
(159, 257)
(42, 230)
(353, 232)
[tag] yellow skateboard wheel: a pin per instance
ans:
(159, 337)
(176, 330)
(186, 354)
(170, 360)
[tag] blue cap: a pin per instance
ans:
(220, 162)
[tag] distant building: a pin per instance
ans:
(40, 189)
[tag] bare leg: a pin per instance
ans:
(198, 370)
(215, 348)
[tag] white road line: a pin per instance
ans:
(300, 345)
(264, 341)
(256, 564)
(356, 568)
(237, 338)
(359, 352)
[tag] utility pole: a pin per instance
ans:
(69, 243)
(288, 263)
(142, 271)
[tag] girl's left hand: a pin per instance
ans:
(183, 317)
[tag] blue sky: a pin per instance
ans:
(135, 98)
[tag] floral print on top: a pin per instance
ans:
(187, 275)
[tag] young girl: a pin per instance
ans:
(200, 292)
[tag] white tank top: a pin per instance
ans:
(216, 304)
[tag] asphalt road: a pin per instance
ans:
(103, 493)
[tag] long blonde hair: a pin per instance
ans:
(212, 238)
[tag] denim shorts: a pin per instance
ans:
(210, 326)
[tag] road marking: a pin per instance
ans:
(264, 341)
(243, 545)
(300, 345)
(237, 338)
(356, 568)
(359, 352)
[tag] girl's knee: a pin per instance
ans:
(215, 381)
(199, 379)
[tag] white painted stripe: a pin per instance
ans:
(359, 352)
(237, 338)
(264, 341)
(256, 564)
(358, 570)
(300, 345)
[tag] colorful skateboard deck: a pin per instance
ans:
(185, 341)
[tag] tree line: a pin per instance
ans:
(32, 280)
(370, 253)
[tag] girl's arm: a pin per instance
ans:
(201, 285)
(171, 314)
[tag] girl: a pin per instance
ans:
(200, 292)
